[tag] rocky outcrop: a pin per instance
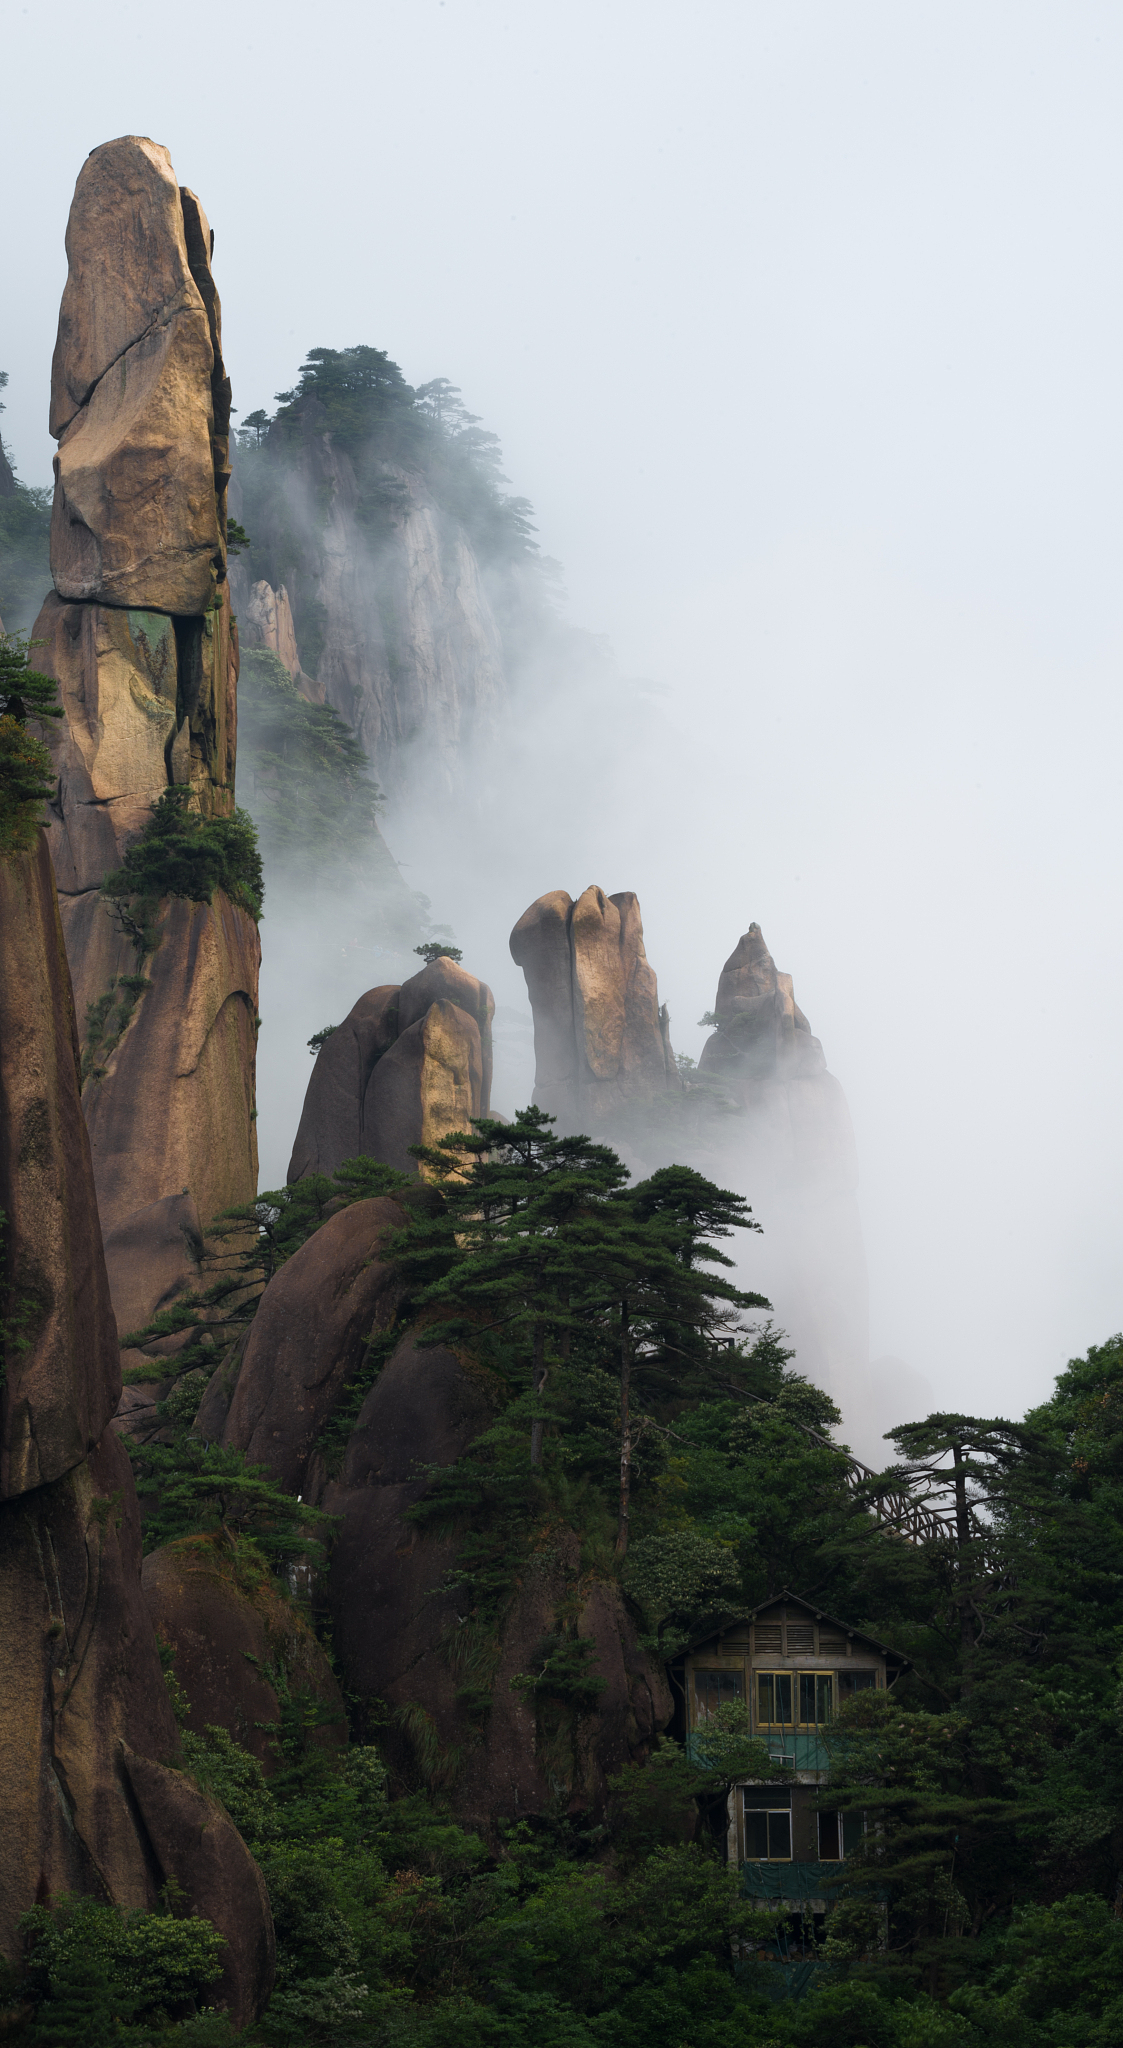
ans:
(239, 1646)
(87, 1803)
(601, 1041)
(309, 1338)
(265, 620)
(790, 1145)
(140, 638)
(397, 633)
(62, 1372)
(139, 402)
(406, 1067)
(401, 1639)
(169, 1105)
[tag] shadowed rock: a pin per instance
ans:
(309, 1337)
(236, 1640)
(400, 1638)
(407, 1066)
(63, 1372)
(601, 1041)
(198, 1848)
(80, 1680)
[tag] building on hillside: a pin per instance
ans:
(793, 1666)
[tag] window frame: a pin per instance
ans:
(767, 1813)
(795, 1676)
(734, 1673)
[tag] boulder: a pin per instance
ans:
(428, 1084)
(601, 1041)
(400, 1638)
(63, 1372)
(152, 1257)
(331, 1121)
(309, 1337)
(239, 1644)
(140, 476)
(197, 1847)
(407, 1066)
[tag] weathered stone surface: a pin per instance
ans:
(59, 1392)
(169, 1107)
(266, 621)
(140, 476)
(198, 1846)
(236, 1638)
(331, 1122)
(151, 1257)
(428, 1084)
(400, 1639)
(80, 1674)
(309, 1337)
(601, 1041)
(407, 1066)
(86, 1730)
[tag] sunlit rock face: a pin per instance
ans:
(87, 1803)
(139, 401)
(774, 1120)
(140, 637)
(601, 1041)
(407, 1066)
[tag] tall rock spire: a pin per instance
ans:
(141, 640)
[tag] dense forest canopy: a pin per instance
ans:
(983, 1904)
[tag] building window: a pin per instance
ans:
(778, 1691)
(714, 1689)
(816, 1697)
(850, 1682)
(839, 1834)
(768, 1833)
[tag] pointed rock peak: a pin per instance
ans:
(749, 972)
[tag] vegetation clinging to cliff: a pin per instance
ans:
(181, 853)
(26, 767)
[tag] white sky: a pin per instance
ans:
(801, 327)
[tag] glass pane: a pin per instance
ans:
(783, 1684)
(853, 1828)
(756, 1836)
(850, 1682)
(824, 1696)
(830, 1847)
(780, 1836)
(713, 1689)
(764, 1698)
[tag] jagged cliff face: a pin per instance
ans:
(140, 637)
(87, 1802)
(394, 631)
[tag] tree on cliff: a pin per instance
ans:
(542, 1243)
(26, 768)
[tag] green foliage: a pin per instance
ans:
(181, 853)
(434, 950)
(26, 769)
(305, 779)
(25, 539)
(192, 1486)
(237, 539)
(92, 1969)
(319, 1039)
